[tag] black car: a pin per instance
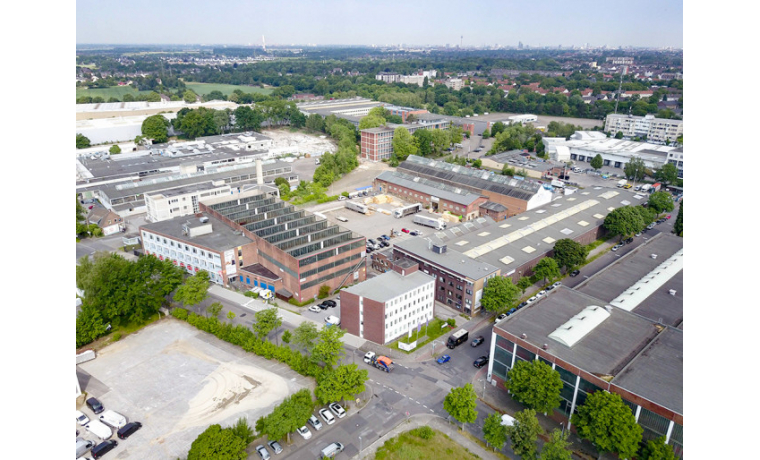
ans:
(128, 430)
(480, 362)
(511, 310)
(330, 303)
(414, 233)
(384, 243)
(478, 340)
(629, 240)
(575, 273)
(95, 405)
(522, 305)
(323, 306)
(103, 448)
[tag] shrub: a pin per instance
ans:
(116, 337)
(424, 432)
(451, 322)
(179, 313)
(286, 336)
(324, 291)
(255, 295)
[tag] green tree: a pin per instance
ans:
(619, 135)
(286, 336)
(660, 202)
(494, 432)
(497, 128)
(460, 403)
(341, 383)
(668, 174)
(371, 121)
(217, 443)
(281, 181)
(242, 430)
(189, 96)
(290, 415)
(403, 144)
(156, 127)
(305, 336)
(329, 349)
(194, 290)
(523, 434)
(324, 291)
(597, 162)
(569, 253)
(556, 448)
(635, 169)
(477, 163)
(89, 325)
(456, 134)
(114, 150)
(499, 294)
(214, 309)
(267, 320)
(678, 225)
(486, 134)
(231, 315)
(524, 283)
(656, 449)
(605, 420)
(221, 120)
(547, 269)
(624, 221)
(535, 384)
(82, 141)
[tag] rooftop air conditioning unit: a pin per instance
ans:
(653, 256)
(204, 220)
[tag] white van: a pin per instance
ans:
(577, 170)
(113, 419)
(83, 445)
(99, 429)
(332, 450)
(333, 320)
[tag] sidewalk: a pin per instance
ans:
(433, 421)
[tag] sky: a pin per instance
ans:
(644, 23)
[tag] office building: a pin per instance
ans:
(654, 129)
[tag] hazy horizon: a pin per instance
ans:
(645, 24)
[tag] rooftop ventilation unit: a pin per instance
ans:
(439, 248)
(672, 292)
(204, 219)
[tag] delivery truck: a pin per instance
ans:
(434, 222)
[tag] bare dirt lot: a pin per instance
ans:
(299, 143)
(176, 381)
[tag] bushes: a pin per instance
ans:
(252, 294)
(293, 301)
(324, 291)
(424, 432)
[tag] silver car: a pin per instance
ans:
(263, 452)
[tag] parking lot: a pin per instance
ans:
(176, 381)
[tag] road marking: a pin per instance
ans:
(417, 402)
(425, 406)
(397, 392)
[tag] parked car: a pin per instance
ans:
(478, 340)
(405, 230)
(638, 234)
(337, 410)
(113, 419)
(304, 432)
(532, 299)
(322, 306)
(549, 288)
(629, 240)
(103, 448)
(540, 294)
(501, 317)
(82, 419)
(557, 284)
(385, 237)
(315, 423)
(128, 430)
(443, 359)
(83, 445)
(384, 243)
(522, 305)
(415, 233)
(616, 247)
(651, 226)
(511, 311)
(575, 273)
(315, 309)
(263, 452)
(275, 446)
(330, 303)
(327, 416)
(95, 405)
(99, 429)
(480, 362)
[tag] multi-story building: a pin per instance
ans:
(454, 83)
(182, 200)
(675, 157)
(377, 143)
(655, 129)
(616, 153)
(388, 306)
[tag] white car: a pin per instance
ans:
(532, 299)
(557, 284)
(315, 309)
(540, 294)
(304, 432)
(99, 429)
(327, 416)
(337, 410)
(82, 419)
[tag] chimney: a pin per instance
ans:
(259, 172)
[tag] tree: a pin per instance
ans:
(668, 174)
(494, 432)
(524, 283)
(486, 134)
(217, 443)
(82, 141)
(114, 150)
(221, 120)
(460, 403)
(305, 335)
(456, 134)
(291, 414)
(214, 309)
(660, 202)
(281, 181)
(556, 448)
(605, 420)
(403, 144)
(597, 162)
(619, 135)
(656, 449)
(267, 320)
(624, 221)
(678, 225)
(569, 253)
(324, 291)
(477, 163)
(231, 315)
(329, 349)
(194, 290)
(189, 96)
(341, 383)
(286, 336)
(635, 169)
(547, 268)
(497, 128)
(523, 434)
(499, 294)
(535, 384)
(371, 121)
(89, 325)
(156, 127)
(242, 430)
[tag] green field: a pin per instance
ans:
(409, 445)
(115, 91)
(205, 88)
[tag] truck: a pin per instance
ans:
(621, 183)
(434, 222)
(655, 188)
(383, 363)
(358, 207)
(332, 321)
(645, 187)
(407, 210)
(457, 338)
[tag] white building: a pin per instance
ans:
(583, 146)
(655, 129)
(522, 119)
(454, 83)
(181, 200)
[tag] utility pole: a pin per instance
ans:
(620, 87)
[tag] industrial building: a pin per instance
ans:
(377, 143)
(388, 306)
(261, 239)
(655, 129)
(620, 331)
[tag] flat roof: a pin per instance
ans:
(389, 285)
(221, 238)
(451, 260)
(428, 187)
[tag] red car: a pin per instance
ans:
(405, 230)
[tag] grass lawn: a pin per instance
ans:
(410, 446)
(114, 91)
(205, 88)
(426, 334)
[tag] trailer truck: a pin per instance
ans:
(358, 207)
(407, 210)
(383, 363)
(457, 338)
(436, 223)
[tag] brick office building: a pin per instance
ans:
(388, 306)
